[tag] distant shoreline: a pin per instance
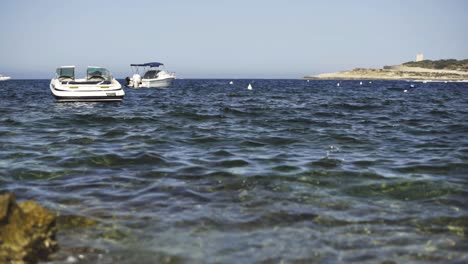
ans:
(398, 72)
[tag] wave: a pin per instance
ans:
(445, 168)
(326, 163)
(114, 160)
(232, 163)
(403, 190)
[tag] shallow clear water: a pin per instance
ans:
(207, 172)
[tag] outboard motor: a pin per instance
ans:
(136, 78)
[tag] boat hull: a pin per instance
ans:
(64, 99)
(156, 83)
(61, 94)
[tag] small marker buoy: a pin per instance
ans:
(231, 82)
(308, 80)
(412, 85)
(360, 83)
(405, 91)
(249, 87)
(338, 84)
(370, 82)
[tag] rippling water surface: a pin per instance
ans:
(207, 172)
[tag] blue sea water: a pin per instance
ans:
(207, 172)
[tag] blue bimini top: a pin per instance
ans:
(150, 64)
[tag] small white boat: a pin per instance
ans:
(99, 85)
(154, 76)
(4, 78)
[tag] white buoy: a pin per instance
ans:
(360, 83)
(370, 82)
(412, 85)
(249, 87)
(231, 82)
(308, 80)
(338, 84)
(405, 91)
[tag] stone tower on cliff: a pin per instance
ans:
(419, 57)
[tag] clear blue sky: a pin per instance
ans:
(231, 39)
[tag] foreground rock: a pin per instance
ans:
(27, 231)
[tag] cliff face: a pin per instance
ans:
(399, 72)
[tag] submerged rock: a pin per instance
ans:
(74, 221)
(27, 231)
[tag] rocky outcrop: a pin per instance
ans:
(27, 231)
(397, 72)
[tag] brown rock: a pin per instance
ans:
(27, 231)
(5, 201)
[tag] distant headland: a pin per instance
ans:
(441, 70)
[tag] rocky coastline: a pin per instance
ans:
(399, 72)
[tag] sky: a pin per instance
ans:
(227, 39)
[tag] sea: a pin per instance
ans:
(292, 171)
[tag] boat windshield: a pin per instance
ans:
(66, 72)
(97, 73)
(151, 74)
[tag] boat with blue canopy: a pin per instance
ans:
(154, 75)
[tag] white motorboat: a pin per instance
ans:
(4, 78)
(154, 76)
(99, 85)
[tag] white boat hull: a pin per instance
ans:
(4, 78)
(86, 93)
(156, 83)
